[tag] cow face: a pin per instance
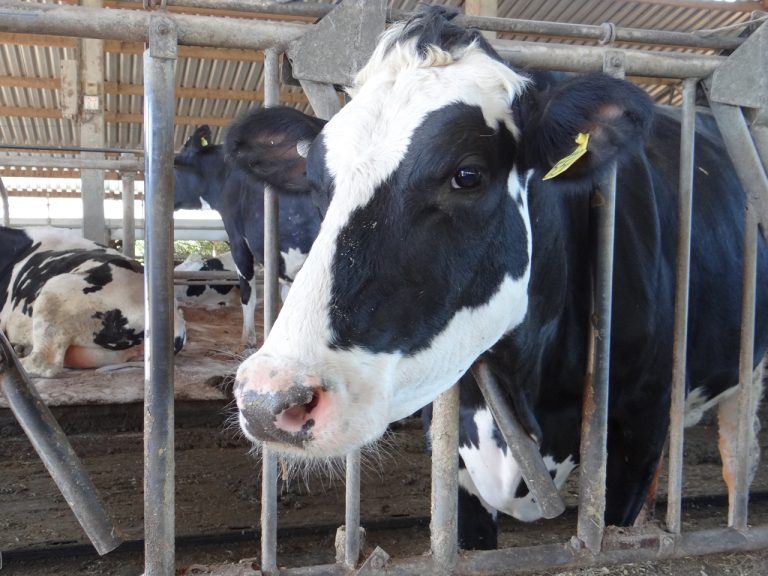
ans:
(197, 158)
(423, 258)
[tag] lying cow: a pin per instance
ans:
(207, 295)
(71, 302)
(203, 179)
(443, 242)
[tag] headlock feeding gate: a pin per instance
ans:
(738, 95)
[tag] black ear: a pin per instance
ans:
(201, 138)
(614, 114)
(272, 144)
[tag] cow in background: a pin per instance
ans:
(460, 224)
(207, 295)
(71, 302)
(204, 179)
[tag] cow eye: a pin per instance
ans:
(466, 178)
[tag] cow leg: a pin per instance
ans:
(243, 258)
(477, 520)
(50, 336)
(728, 430)
(635, 445)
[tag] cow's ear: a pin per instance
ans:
(201, 138)
(272, 145)
(574, 131)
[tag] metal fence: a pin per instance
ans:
(592, 544)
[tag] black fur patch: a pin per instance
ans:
(115, 334)
(15, 245)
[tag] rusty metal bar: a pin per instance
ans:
(271, 304)
(523, 448)
(749, 168)
(159, 465)
(55, 451)
(677, 417)
(445, 481)
(632, 547)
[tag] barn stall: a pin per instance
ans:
(598, 546)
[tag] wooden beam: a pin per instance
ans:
(37, 40)
(27, 82)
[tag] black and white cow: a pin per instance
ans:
(71, 302)
(207, 295)
(204, 179)
(442, 242)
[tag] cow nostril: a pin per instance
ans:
(299, 416)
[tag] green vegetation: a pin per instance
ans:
(183, 248)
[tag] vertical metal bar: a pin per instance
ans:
(677, 419)
(129, 220)
(55, 451)
(271, 296)
(445, 481)
(159, 100)
(352, 514)
(594, 428)
(749, 168)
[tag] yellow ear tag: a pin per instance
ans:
(564, 163)
(203, 141)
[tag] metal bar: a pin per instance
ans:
(352, 511)
(677, 417)
(6, 205)
(55, 451)
(445, 481)
(129, 218)
(159, 466)
(271, 303)
(624, 549)
(552, 56)
(5, 146)
(749, 168)
(523, 448)
(495, 24)
(133, 26)
(121, 165)
(594, 427)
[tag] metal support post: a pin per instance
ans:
(445, 481)
(55, 451)
(677, 417)
(749, 168)
(352, 511)
(129, 220)
(594, 427)
(271, 304)
(159, 466)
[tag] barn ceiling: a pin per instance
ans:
(214, 85)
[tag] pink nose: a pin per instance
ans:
(278, 404)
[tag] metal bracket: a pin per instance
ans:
(163, 38)
(338, 45)
(375, 564)
(614, 63)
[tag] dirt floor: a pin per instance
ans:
(218, 488)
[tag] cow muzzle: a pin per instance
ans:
(280, 405)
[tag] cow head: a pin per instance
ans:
(197, 165)
(424, 256)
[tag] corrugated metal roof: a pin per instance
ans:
(215, 90)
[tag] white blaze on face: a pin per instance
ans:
(365, 144)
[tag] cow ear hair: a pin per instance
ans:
(272, 145)
(585, 124)
(201, 138)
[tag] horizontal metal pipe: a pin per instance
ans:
(55, 451)
(625, 549)
(70, 149)
(495, 24)
(119, 164)
(590, 59)
(133, 26)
